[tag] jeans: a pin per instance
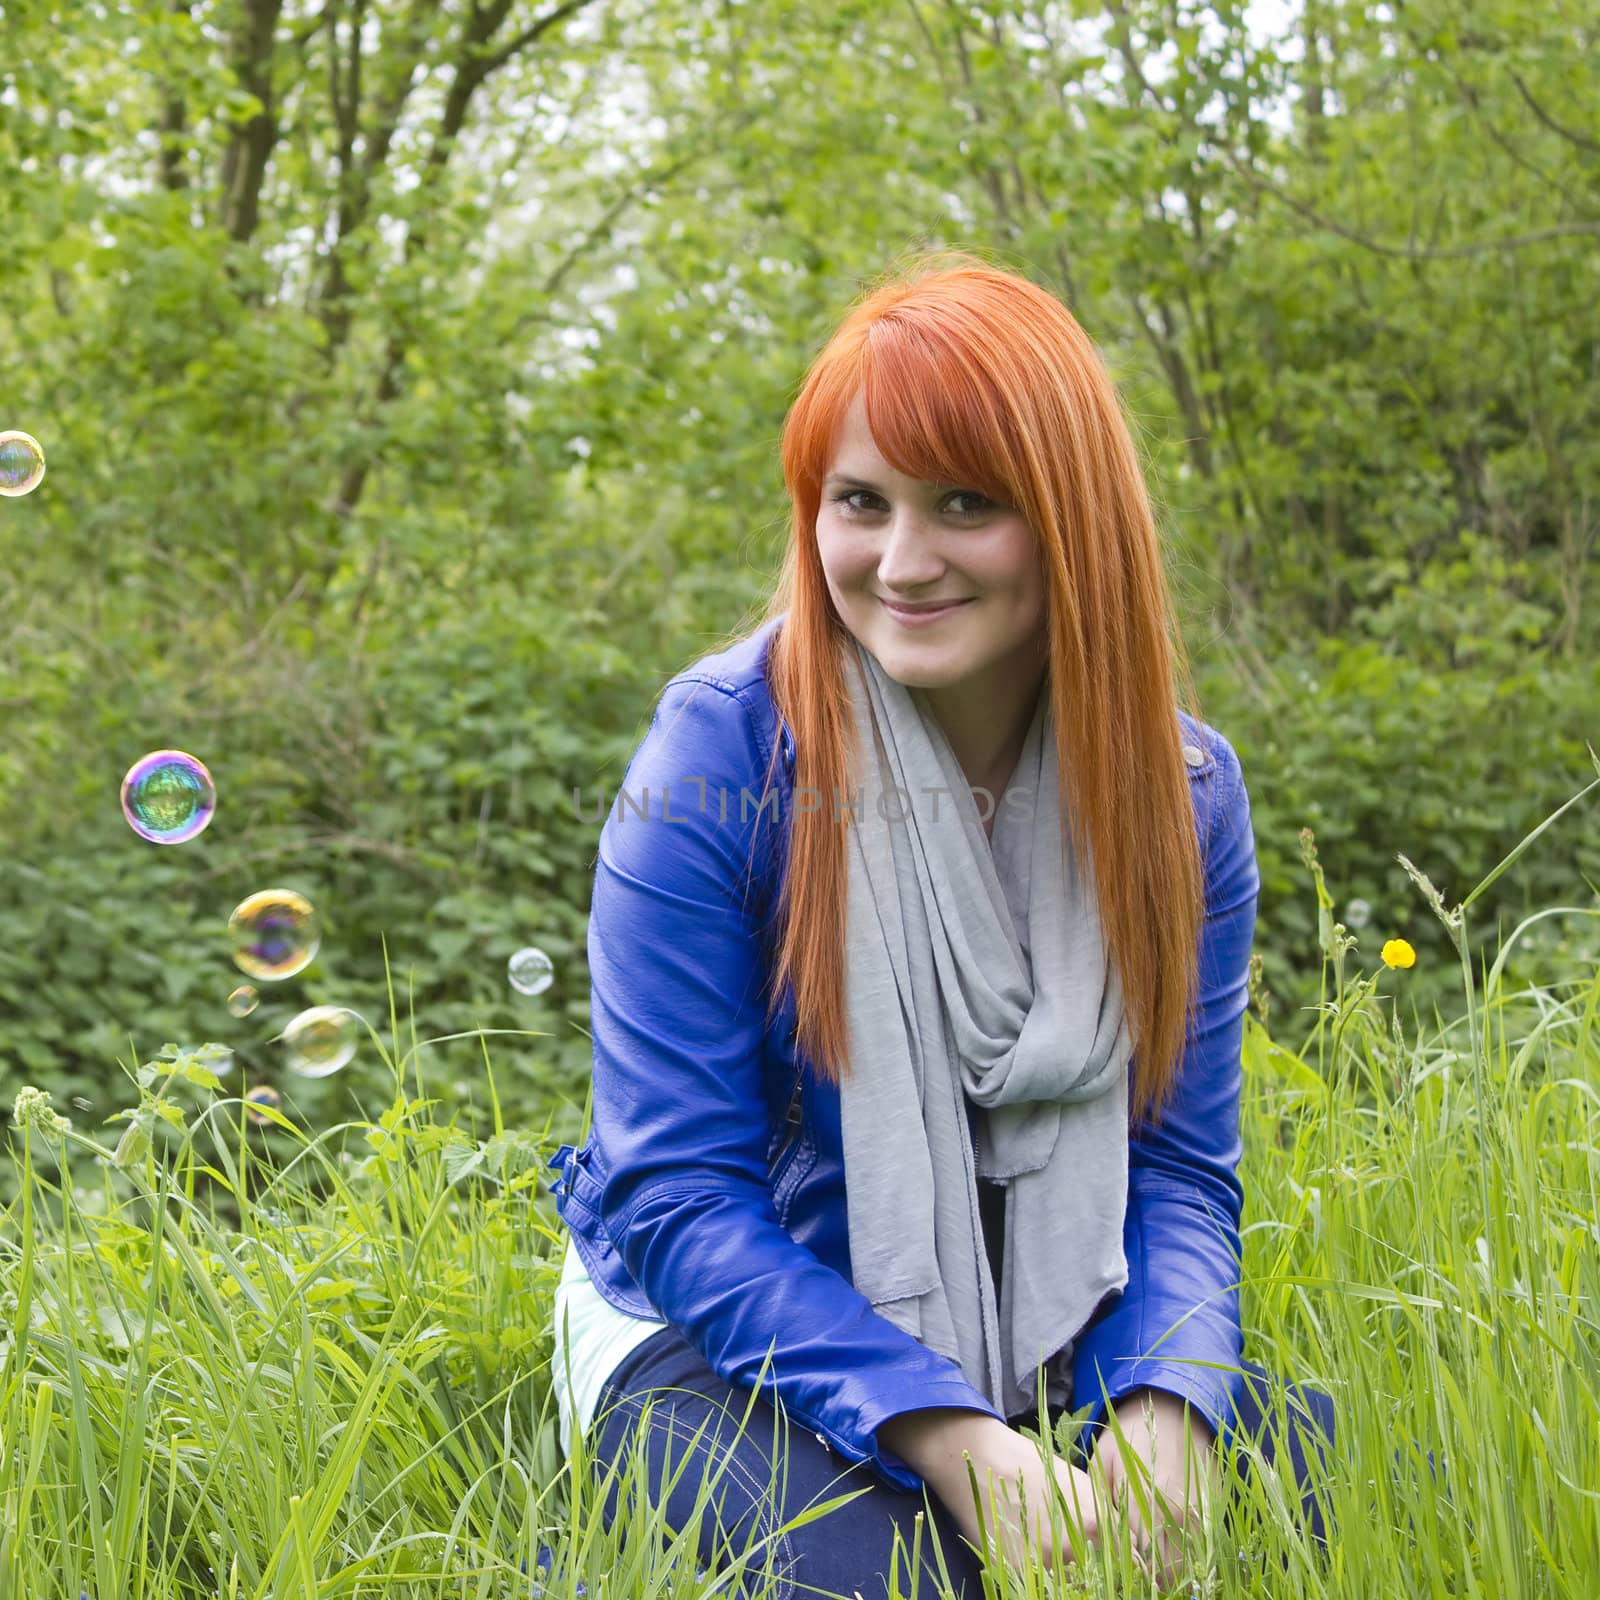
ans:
(852, 1547)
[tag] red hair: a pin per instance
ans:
(972, 374)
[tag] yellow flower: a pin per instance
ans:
(1397, 953)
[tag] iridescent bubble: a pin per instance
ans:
(274, 934)
(262, 1095)
(168, 797)
(322, 1040)
(244, 1000)
(531, 971)
(1357, 914)
(21, 462)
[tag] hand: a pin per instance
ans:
(1170, 1446)
(1013, 1468)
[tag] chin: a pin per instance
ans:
(920, 674)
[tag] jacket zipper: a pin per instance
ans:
(793, 1119)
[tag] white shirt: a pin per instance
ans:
(591, 1338)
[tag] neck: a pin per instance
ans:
(988, 758)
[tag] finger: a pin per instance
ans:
(1085, 1488)
(1144, 1558)
(1169, 1554)
(1131, 1531)
(1107, 1473)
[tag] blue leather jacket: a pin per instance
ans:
(710, 1191)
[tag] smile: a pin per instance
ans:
(916, 619)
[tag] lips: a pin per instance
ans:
(924, 611)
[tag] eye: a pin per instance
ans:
(846, 496)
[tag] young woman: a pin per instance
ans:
(919, 945)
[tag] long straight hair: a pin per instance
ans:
(972, 374)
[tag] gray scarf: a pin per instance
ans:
(984, 969)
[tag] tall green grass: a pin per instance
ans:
(315, 1363)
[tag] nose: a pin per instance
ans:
(909, 560)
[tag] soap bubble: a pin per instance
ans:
(322, 1040)
(530, 971)
(168, 797)
(262, 1095)
(1357, 914)
(21, 463)
(244, 1000)
(274, 933)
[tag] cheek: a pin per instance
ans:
(1021, 578)
(846, 563)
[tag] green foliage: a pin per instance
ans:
(1437, 732)
(411, 419)
(408, 427)
(264, 1343)
(320, 1361)
(441, 817)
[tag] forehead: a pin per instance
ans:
(855, 455)
(853, 446)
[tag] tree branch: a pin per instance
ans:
(174, 118)
(1519, 241)
(532, 34)
(244, 163)
(1549, 121)
(472, 69)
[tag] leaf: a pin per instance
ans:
(329, 1289)
(461, 1159)
(1260, 1055)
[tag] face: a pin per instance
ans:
(882, 537)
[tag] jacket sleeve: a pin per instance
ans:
(1175, 1325)
(678, 1020)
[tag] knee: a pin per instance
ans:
(1308, 1411)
